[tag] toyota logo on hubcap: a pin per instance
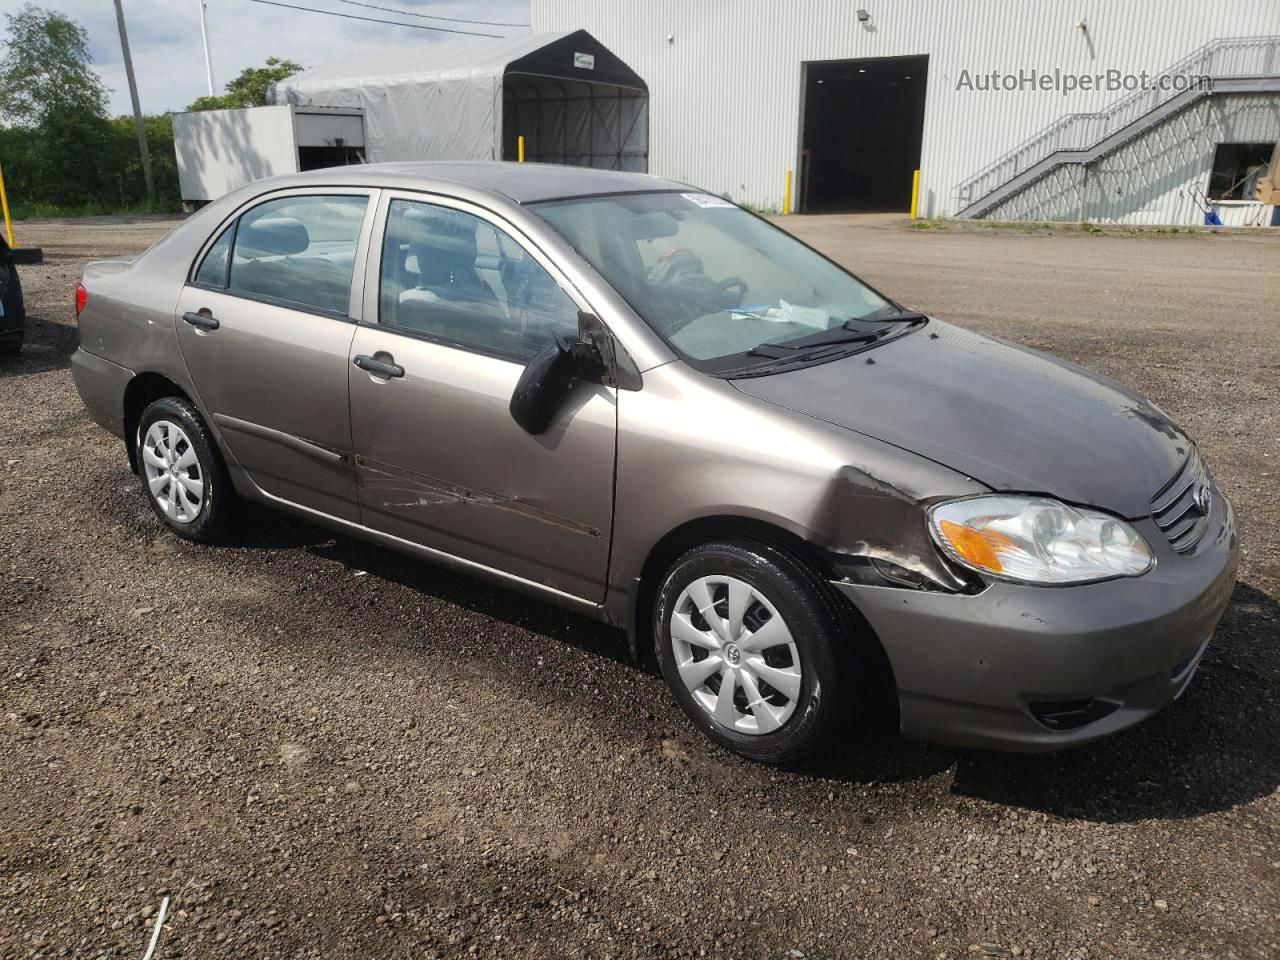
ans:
(732, 654)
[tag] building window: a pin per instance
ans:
(1236, 169)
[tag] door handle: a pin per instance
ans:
(378, 368)
(203, 320)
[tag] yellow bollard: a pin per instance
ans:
(4, 204)
(786, 195)
(19, 254)
(520, 149)
(915, 193)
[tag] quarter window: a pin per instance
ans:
(299, 250)
(456, 277)
(213, 269)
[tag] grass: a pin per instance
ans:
(1050, 226)
(28, 211)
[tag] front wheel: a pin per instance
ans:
(183, 474)
(747, 639)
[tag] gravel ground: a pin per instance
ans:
(320, 749)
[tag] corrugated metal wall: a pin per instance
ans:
(725, 89)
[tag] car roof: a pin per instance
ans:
(520, 182)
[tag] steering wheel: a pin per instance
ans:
(710, 298)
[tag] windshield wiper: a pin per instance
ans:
(784, 354)
(902, 315)
(780, 351)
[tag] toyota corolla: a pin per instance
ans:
(635, 399)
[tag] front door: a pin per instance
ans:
(265, 328)
(461, 306)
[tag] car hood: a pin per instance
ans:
(1011, 418)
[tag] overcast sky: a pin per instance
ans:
(164, 37)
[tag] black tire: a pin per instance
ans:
(818, 626)
(14, 308)
(210, 517)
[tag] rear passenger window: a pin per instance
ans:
(213, 269)
(299, 250)
(454, 276)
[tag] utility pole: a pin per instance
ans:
(204, 37)
(137, 107)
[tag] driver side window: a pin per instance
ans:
(455, 277)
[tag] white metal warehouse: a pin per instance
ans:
(851, 96)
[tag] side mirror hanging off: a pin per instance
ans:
(546, 379)
(543, 386)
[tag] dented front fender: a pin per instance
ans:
(693, 447)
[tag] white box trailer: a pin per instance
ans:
(221, 150)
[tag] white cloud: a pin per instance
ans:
(168, 61)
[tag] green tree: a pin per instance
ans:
(45, 69)
(250, 88)
(77, 156)
(61, 152)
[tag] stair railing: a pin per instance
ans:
(1224, 57)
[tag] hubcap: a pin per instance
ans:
(735, 654)
(175, 478)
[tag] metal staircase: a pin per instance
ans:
(1235, 65)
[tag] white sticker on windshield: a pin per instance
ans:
(706, 200)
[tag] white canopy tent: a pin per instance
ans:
(572, 100)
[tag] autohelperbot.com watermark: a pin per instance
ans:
(1065, 82)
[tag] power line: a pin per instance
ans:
(395, 23)
(431, 16)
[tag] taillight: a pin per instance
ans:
(82, 297)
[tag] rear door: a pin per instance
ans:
(265, 325)
(456, 304)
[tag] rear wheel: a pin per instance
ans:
(183, 474)
(748, 639)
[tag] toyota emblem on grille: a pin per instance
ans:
(1201, 495)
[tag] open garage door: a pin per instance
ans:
(576, 103)
(582, 124)
(863, 125)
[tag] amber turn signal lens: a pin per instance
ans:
(978, 547)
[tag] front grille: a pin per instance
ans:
(1181, 507)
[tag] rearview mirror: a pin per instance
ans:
(652, 226)
(543, 386)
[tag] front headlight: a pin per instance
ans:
(1037, 540)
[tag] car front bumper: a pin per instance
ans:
(1042, 668)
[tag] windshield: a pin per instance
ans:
(726, 289)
